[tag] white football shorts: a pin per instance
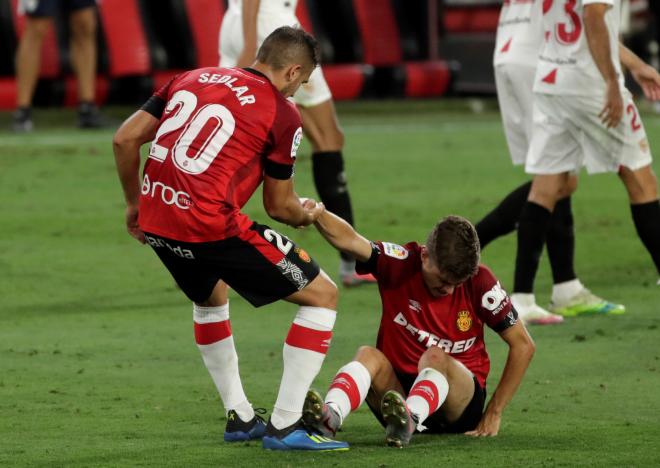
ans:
(312, 93)
(568, 135)
(514, 94)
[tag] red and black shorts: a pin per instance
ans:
(436, 423)
(47, 8)
(260, 264)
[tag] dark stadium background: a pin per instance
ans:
(371, 48)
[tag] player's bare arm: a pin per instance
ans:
(521, 351)
(342, 236)
(133, 133)
(283, 205)
(645, 75)
(249, 12)
(599, 46)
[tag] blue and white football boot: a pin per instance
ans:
(298, 437)
(238, 430)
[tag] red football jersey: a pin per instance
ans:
(413, 320)
(221, 129)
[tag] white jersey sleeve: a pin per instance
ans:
(519, 33)
(565, 64)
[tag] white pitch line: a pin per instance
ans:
(55, 140)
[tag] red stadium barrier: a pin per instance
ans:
(302, 13)
(379, 32)
(346, 81)
(128, 51)
(426, 79)
(102, 87)
(7, 93)
(381, 42)
(471, 20)
(204, 17)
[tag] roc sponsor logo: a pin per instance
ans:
(429, 339)
(495, 299)
(167, 194)
(304, 256)
(464, 321)
(395, 251)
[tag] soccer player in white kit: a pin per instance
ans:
(519, 38)
(584, 116)
(244, 27)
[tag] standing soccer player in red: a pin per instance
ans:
(429, 367)
(216, 134)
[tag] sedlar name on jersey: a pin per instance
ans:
(229, 81)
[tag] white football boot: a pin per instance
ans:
(531, 313)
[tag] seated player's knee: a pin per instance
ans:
(434, 357)
(372, 358)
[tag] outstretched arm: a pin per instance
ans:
(133, 133)
(521, 350)
(645, 75)
(283, 205)
(342, 236)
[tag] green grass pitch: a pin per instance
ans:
(98, 365)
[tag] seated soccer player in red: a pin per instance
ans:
(429, 367)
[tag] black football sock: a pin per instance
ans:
(330, 182)
(647, 222)
(561, 242)
(532, 229)
(503, 219)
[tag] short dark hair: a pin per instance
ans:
(288, 45)
(454, 247)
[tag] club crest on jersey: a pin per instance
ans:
(395, 251)
(464, 321)
(304, 256)
(297, 139)
(644, 145)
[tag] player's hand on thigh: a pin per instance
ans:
(613, 110)
(488, 426)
